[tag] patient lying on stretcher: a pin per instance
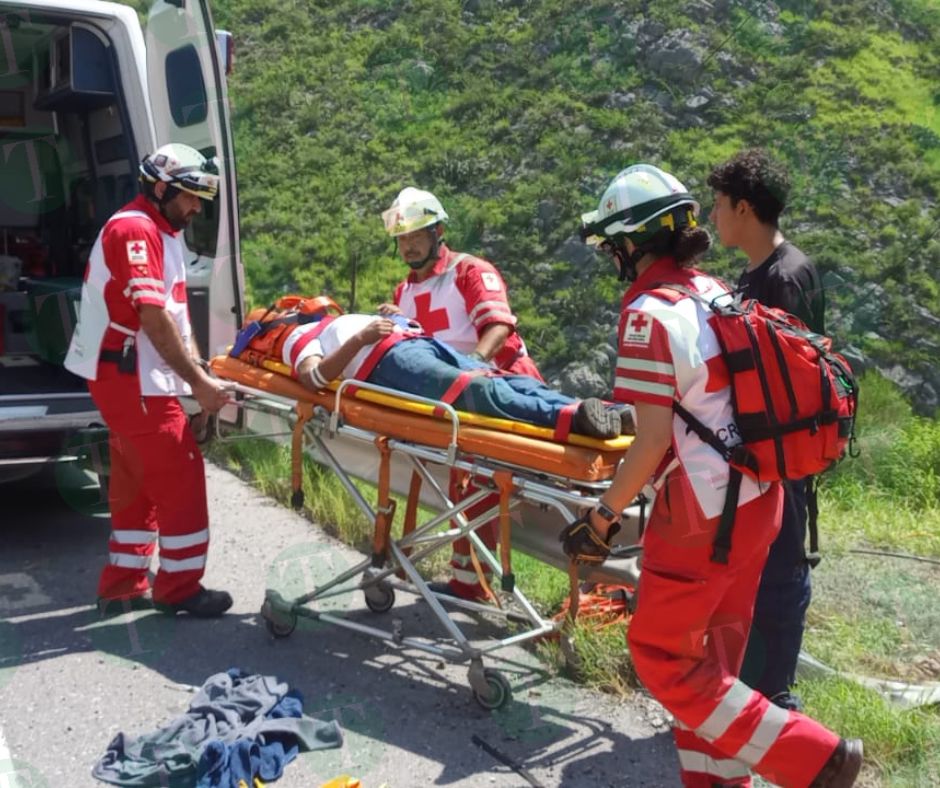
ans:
(394, 354)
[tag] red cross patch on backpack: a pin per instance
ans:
(794, 399)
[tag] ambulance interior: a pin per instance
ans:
(66, 164)
(68, 160)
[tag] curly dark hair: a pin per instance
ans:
(753, 176)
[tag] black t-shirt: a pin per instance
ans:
(788, 280)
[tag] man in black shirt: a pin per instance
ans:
(750, 193)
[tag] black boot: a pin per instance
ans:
(596, 420)
(842, 767)
(627, 421)
(203, 604)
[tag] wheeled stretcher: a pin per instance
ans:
(409, 446)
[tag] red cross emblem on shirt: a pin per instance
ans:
(431, 320)
(137, 248)
(638, 323)
(610, 205)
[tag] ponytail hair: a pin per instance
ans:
(686, 244)
(689, 244)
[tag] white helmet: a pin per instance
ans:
(184, 168)
(413, 209)
(638, 195)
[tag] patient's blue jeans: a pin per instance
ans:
(427, 367)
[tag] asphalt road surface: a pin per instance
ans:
(70, 681)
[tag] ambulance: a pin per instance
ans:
(87, 89)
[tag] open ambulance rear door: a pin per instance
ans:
(189, 104)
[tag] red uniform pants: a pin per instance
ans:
(157, 490)
(464, 581)
(688, 637)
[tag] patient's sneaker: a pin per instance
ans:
(627, 420)
(595, 419)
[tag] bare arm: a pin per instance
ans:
(492, 339)
(165, 336)
(653, 438)
(330, 367)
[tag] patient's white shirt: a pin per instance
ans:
(340, 329)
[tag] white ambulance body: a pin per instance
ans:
(85, 93)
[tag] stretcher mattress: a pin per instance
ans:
(579, 458)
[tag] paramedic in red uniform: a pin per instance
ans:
(134, 345)
(693, 615)
(461, 300)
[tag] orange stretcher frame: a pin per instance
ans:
(540, 485)
(580, 458)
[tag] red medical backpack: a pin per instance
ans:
(794, 399)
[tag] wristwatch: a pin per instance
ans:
(606, 513)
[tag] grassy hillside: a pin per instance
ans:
(516, 114)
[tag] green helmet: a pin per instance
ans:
(638, 203)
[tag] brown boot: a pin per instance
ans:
(842, 767)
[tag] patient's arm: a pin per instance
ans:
(316, 371)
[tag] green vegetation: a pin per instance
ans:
(516, 114)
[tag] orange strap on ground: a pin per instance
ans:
(385, 506)
(604, 606)
(304, 414)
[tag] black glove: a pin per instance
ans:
(582, 544)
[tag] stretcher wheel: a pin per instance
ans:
(280, 623)
(281, 629)
(380, 598)
(499, 690)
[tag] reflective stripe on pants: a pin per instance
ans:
(464, 579)
(688, 636)
(157, 486)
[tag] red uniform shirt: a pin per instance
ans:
(462, 296)
(133, 253)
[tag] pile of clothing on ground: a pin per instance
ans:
(239, 728)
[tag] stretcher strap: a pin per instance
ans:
(504, 484)
(306, 339)
(379, 349)
(456, 388)
(304, 414)
(385, 508)
(563, 425)
(481, 576)
(411, 512)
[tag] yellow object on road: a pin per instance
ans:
(343, 781)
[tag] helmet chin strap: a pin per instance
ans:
(432, 252)
(627, 262)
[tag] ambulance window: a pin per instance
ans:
(202, 234)
(186, 90)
